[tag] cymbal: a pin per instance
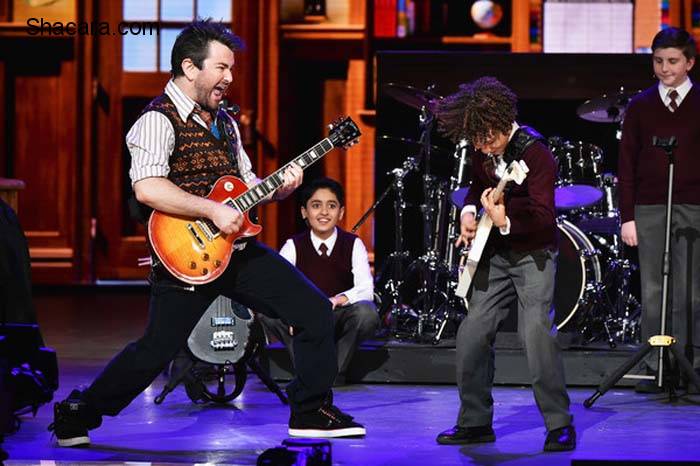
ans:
(609, 108)
(409, 95)
(414, 145)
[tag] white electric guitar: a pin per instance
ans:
(516, 171)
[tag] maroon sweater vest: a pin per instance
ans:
(332, 274)
(643, 168)
(198, 158)
(530, 206)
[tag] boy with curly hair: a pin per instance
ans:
(518, 263)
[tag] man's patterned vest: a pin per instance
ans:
(198, 158)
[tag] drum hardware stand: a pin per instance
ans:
(453, 307)
(393, 269)
(428, 265)
(661, 341)
(622, 308)
(456, 180)
(625, 307)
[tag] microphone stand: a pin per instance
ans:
(662, 341)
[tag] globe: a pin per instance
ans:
(486, 13)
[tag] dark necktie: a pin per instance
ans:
(324, 250)
(205, 115)
(673, 95)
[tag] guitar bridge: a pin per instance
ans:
(223, 340)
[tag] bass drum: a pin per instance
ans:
(577, 278)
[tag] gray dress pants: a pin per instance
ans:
(683, 314)
(353, 324)
(500, 279)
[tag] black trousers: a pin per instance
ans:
(258, 278)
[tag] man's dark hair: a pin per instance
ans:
(676, 38)
(321, 183)
(479, 108)
(193, 43)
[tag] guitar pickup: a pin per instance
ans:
(194, 234)
(222, 321)
(205, 229)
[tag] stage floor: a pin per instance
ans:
(87, 326)
(401, 421)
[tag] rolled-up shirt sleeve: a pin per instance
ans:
(150, 141)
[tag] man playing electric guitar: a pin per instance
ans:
(177, 156)
(517, 265)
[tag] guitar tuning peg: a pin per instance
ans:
(330, 126)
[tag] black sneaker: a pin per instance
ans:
(69, 425)
(327, 421)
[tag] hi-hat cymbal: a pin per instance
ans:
(609, 108)
(409, 95)
(411, 144)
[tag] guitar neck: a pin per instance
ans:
(498, 190)
(260, 191)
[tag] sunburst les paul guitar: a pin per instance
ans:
(516, 171)
(194, 250)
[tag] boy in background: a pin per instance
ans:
(336, 262)
(668, 108)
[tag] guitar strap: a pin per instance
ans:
(224, 125)
(523, 138)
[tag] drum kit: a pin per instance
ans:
(592, 298)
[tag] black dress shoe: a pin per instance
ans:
(562, 439)
(464, 435)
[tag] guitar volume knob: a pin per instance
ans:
(193, 265)
(205, 257)
(217, 263)
(205, 271)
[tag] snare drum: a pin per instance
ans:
(578, 275)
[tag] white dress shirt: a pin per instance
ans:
(500, 170)
(151, 140)
(363, 285)
(682, 90)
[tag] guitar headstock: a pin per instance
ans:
(343, 132)
(516, 171)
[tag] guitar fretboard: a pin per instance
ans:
(259, 192)
(502, 184)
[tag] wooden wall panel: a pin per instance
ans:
(3, 122)
(44, 134)
(359, 162)
(268, 107)
(333, 106)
